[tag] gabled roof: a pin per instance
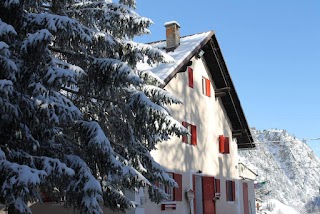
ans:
(190, 46)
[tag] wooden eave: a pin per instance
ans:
(222, 79)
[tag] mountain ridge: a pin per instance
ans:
(287, 166)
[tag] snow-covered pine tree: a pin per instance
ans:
(77, 119)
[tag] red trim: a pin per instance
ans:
(227, 145)
(233, 191)
(208, 92)
(190, 77)
(221, 144)
(224, 144)
(177, 192)
(168, 206)
(193, 135)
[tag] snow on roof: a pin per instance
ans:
(187, 45)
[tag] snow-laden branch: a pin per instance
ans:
(146, 53)
(39, 39)
(100, 144)
(84, 186)
(57, 107)
(6, 87)
(139, 99)
(6, 63)
(51, 166)
(19, 184)
(6, 29)
(150, 78)
(61, 24)
(2, 155)
(160, 95)
(118, 69)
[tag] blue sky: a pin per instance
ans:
(271, 48)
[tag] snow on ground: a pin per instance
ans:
(274, 206)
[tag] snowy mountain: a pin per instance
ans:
(288, 170)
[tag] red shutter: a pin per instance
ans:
(177, 192)
(233, 190)
(190, 77)
(221, 144)
(193, 135)
(208, 92)
(195, 194)
(217, 184)
(184, 137)
(227, 147)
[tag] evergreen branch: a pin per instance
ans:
(69, 52)
(88, 96)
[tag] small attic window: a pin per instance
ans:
(206, 86)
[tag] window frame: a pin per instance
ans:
(230, 191)
(217, 185)
(190, 139)
(206, 86)
(174, 193)
(168, 190)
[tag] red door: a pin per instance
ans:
(208, 195)
(245, 198)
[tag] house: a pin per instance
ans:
(205, 163)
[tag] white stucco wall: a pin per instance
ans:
(211, 120)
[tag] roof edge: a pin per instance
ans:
(233, 96)
(187, 59)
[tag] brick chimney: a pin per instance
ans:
(172, 35)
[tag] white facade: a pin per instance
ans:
(211, 121)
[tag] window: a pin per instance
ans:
(174, 194)
(190, 139)
(206, 87)
(224, 147)
(166, 189)
(190, 77)
(230, 190)
(217, 185)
